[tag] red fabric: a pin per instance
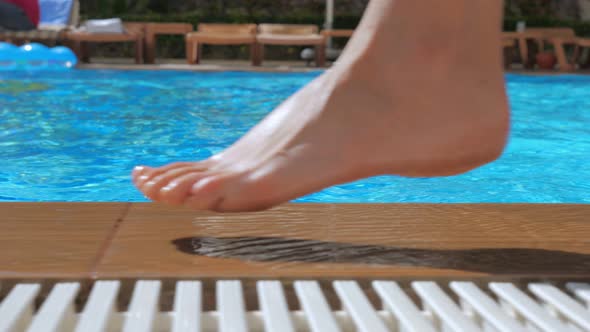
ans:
(31, 7)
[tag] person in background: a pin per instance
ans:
(19, 14)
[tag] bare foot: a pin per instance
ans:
(419, 91)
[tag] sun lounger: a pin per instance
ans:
(542, 37)
(559, 38)
(52, 27)
(292, 34)
(133, 33)
(332, 53)
(580, 43)
(220, 34)
(154, 29)
(508, 45)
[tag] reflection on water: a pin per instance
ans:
(15, 87)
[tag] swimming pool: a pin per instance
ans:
(76, 137)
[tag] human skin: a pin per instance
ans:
(418, 92)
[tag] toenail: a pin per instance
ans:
(143, 177)
(200, 184)
(138, 168)
(150, 183)
(169, 187)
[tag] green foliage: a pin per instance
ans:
(158, 6)
(119, 7)
(528, 7)
(294, 17)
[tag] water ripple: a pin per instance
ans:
(76, 137)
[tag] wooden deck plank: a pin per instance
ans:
(58, 240)
(353, 240)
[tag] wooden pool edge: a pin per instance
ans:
(87, 241)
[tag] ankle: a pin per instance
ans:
(431, 33)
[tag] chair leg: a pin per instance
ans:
(524, 52)
(576, 54)
(188, 46)
(138, 51)
(561, 56)
(192, 52)
(584, 57)
(255, 54)
(320, 55)
(197, 53)
(507, 57)
(84, 52)
(150, 48)
(75, 46)
(259, 50)
(540, 44)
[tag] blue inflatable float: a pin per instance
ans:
(36, 56)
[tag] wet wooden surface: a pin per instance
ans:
(143, 240)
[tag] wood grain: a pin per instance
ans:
(353, 240)
(58, 240)
(403, 241)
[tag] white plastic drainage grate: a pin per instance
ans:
(462, 306)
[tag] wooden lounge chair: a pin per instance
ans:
(44, 33)
(553, 36)
(508, 45)
(154, 29)
(580, 43)
(220, 34)
(292, 34)
(559, 38)
(134, 33)
(333, 53)
(541, 37)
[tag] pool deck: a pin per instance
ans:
(209, 65)
(401, 241)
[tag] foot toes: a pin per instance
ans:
(276, 181)
(178, 189)
(208, 193)
(138, 171)
(143, 174)
(152, 187)
(229, 192)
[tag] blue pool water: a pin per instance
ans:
(75, 136)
